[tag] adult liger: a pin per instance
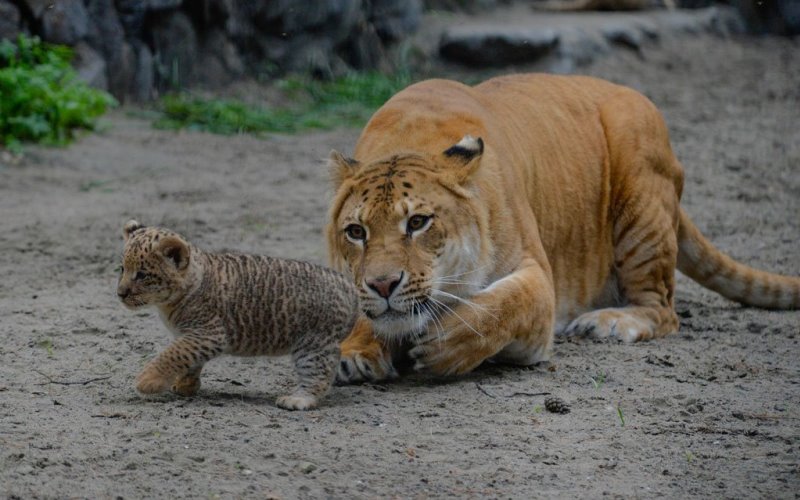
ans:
(476, 222)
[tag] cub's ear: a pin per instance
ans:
(129, 228)
(464, 157)
(175, 250)
(341, 167)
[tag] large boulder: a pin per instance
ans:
(496, 45)
(65, 22)
(10, 20)
(174, 49)
(395, 19)
(90, 66)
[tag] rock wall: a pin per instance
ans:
(138, 48)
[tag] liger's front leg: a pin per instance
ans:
(364, 356)
(511, 320)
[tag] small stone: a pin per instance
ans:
(306, 467)
(24, 469)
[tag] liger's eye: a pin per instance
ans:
(356, 232)
(140, 275)
(417, 222)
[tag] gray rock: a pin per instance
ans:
(175, 49)
(394, 19)
(90, 66)
(364, 49)
(37, 7)
(142, 86)
(625, 35)
(219, 60)
(107, 36)
(343, 18)
(9, 20)
(312, 56)
(65, 22)
(496, 46)
(131, 15)
(163, 4)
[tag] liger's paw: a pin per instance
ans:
(369, 365)
(615, 323)
(446, 357)
(151, 382)
(188, 385)
(297, 402)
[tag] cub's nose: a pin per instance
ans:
(123, 292)
(385, 285)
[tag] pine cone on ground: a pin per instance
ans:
(556, 405)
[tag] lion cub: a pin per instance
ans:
(245, 305)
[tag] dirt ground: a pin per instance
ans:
(711, 411)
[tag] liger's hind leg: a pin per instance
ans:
(645, 254)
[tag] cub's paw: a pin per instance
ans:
(151, 382)
(368, 365)
(188, 385)
(297, 402)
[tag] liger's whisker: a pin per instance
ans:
(473, 305)
(442, 304)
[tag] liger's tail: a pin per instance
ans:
(701, 261)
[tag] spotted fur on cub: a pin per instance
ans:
(245, 305)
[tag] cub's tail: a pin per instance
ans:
(701, 261)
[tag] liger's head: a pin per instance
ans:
(407, 230)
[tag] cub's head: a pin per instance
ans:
(411, 232)
(155, 264)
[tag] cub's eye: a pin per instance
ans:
(356, 232)
(417, 222)
(140, 275)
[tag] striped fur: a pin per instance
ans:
(244, 305)
(699, 260)
(551, 205)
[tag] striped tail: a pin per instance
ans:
(701, 261)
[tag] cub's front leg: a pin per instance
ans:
(511, 320)
(180, 364)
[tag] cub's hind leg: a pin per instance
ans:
(645, 255)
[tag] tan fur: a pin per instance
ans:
(245, 305)
(564, 217)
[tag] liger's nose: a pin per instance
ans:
(385, 285)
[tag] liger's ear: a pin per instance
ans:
(129, 228)
(175, 250)
(341, 167)
(464, 157)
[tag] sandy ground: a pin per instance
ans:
(711, 411)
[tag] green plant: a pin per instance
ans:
(598, 381)
(348, 101)
(47, 345)
(42, 98)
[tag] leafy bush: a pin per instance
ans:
(42, 98)
(348, 101)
